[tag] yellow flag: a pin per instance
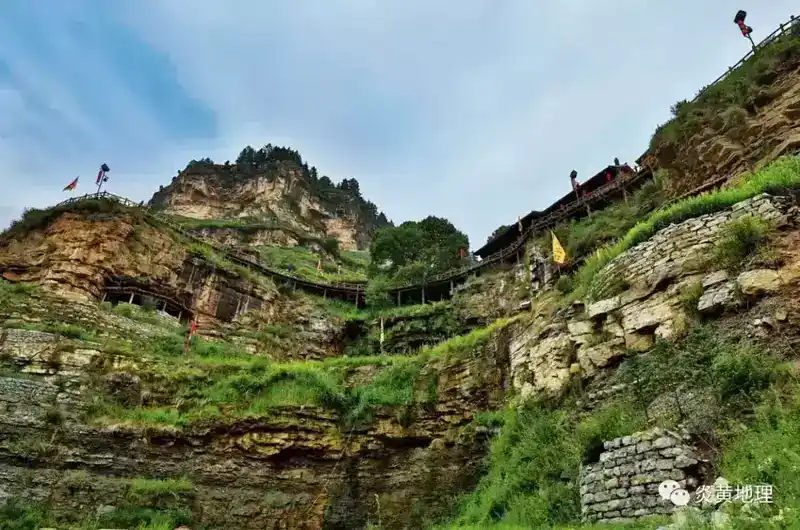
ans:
(559, 255)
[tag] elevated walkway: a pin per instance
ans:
(437, 287)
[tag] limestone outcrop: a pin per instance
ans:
(668, 283)
(295, 467)
(738, 139)
(280, 199)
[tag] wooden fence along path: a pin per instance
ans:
(356, 289)
(782, 30)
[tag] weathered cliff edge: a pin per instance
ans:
(298, 467)
(663, 273)
(719, 138)
(293, 468)
(280, 200)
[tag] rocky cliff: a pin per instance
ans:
(277, 196)
(746, 120)
(261, 424)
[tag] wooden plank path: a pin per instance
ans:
(356, 289)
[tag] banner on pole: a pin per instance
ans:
(559, 254)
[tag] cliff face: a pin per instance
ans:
(287, 202)
(748, 119)
(262, 424)
(291, 466)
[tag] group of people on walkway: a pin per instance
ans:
(576, 186)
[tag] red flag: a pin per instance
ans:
(71, 186)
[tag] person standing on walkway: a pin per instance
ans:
(573, 178)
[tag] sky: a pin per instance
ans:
(474, 110)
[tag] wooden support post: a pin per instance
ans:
(452, 286)
(398, 297)
(324, 294)
(357, 291)
(625, 194)
(180, 314)
(131, 299)
(423, 294)
(104, 296)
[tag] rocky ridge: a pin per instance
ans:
(279, 202)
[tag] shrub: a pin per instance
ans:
(778, 177)
(534, 463)
(740, 239)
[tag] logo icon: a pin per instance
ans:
(672, 491)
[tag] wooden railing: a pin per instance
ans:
(547, 221)
(357, 288)
(231, 254)
(782, 30)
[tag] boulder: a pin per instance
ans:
(759, 281)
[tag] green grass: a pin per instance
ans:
(727, 103)
(37, 219)
(583, 236)
(217, 382)
(534, 465)
(780, 176)
(305, 263)
(740, 239)
(532, 470)
(155, 488)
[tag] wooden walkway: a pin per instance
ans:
(354, 291)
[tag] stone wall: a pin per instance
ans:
(586, 339)
(680, 246)
(624, 484)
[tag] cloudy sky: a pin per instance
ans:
(475, 110)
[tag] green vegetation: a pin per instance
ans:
(216, 381)
(304, 261)
(582, 237)
(533, 466)
(251, 225)
(780, 176)
(741, 238)
(155, 488)
(728, 102)
(149, 505)
(36, 219)
(16, 515)
(344, 197)
(414, 251)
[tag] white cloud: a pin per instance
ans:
(475, 110)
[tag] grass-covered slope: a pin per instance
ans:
(782, 176)
(532, 471)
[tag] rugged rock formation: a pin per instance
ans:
(277, 202)
(728, 141)
(666, 284)
(296, 467)
(120, 257)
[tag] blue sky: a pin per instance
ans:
(474, 110)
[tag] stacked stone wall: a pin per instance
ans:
(680, 245)
(624, 484)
